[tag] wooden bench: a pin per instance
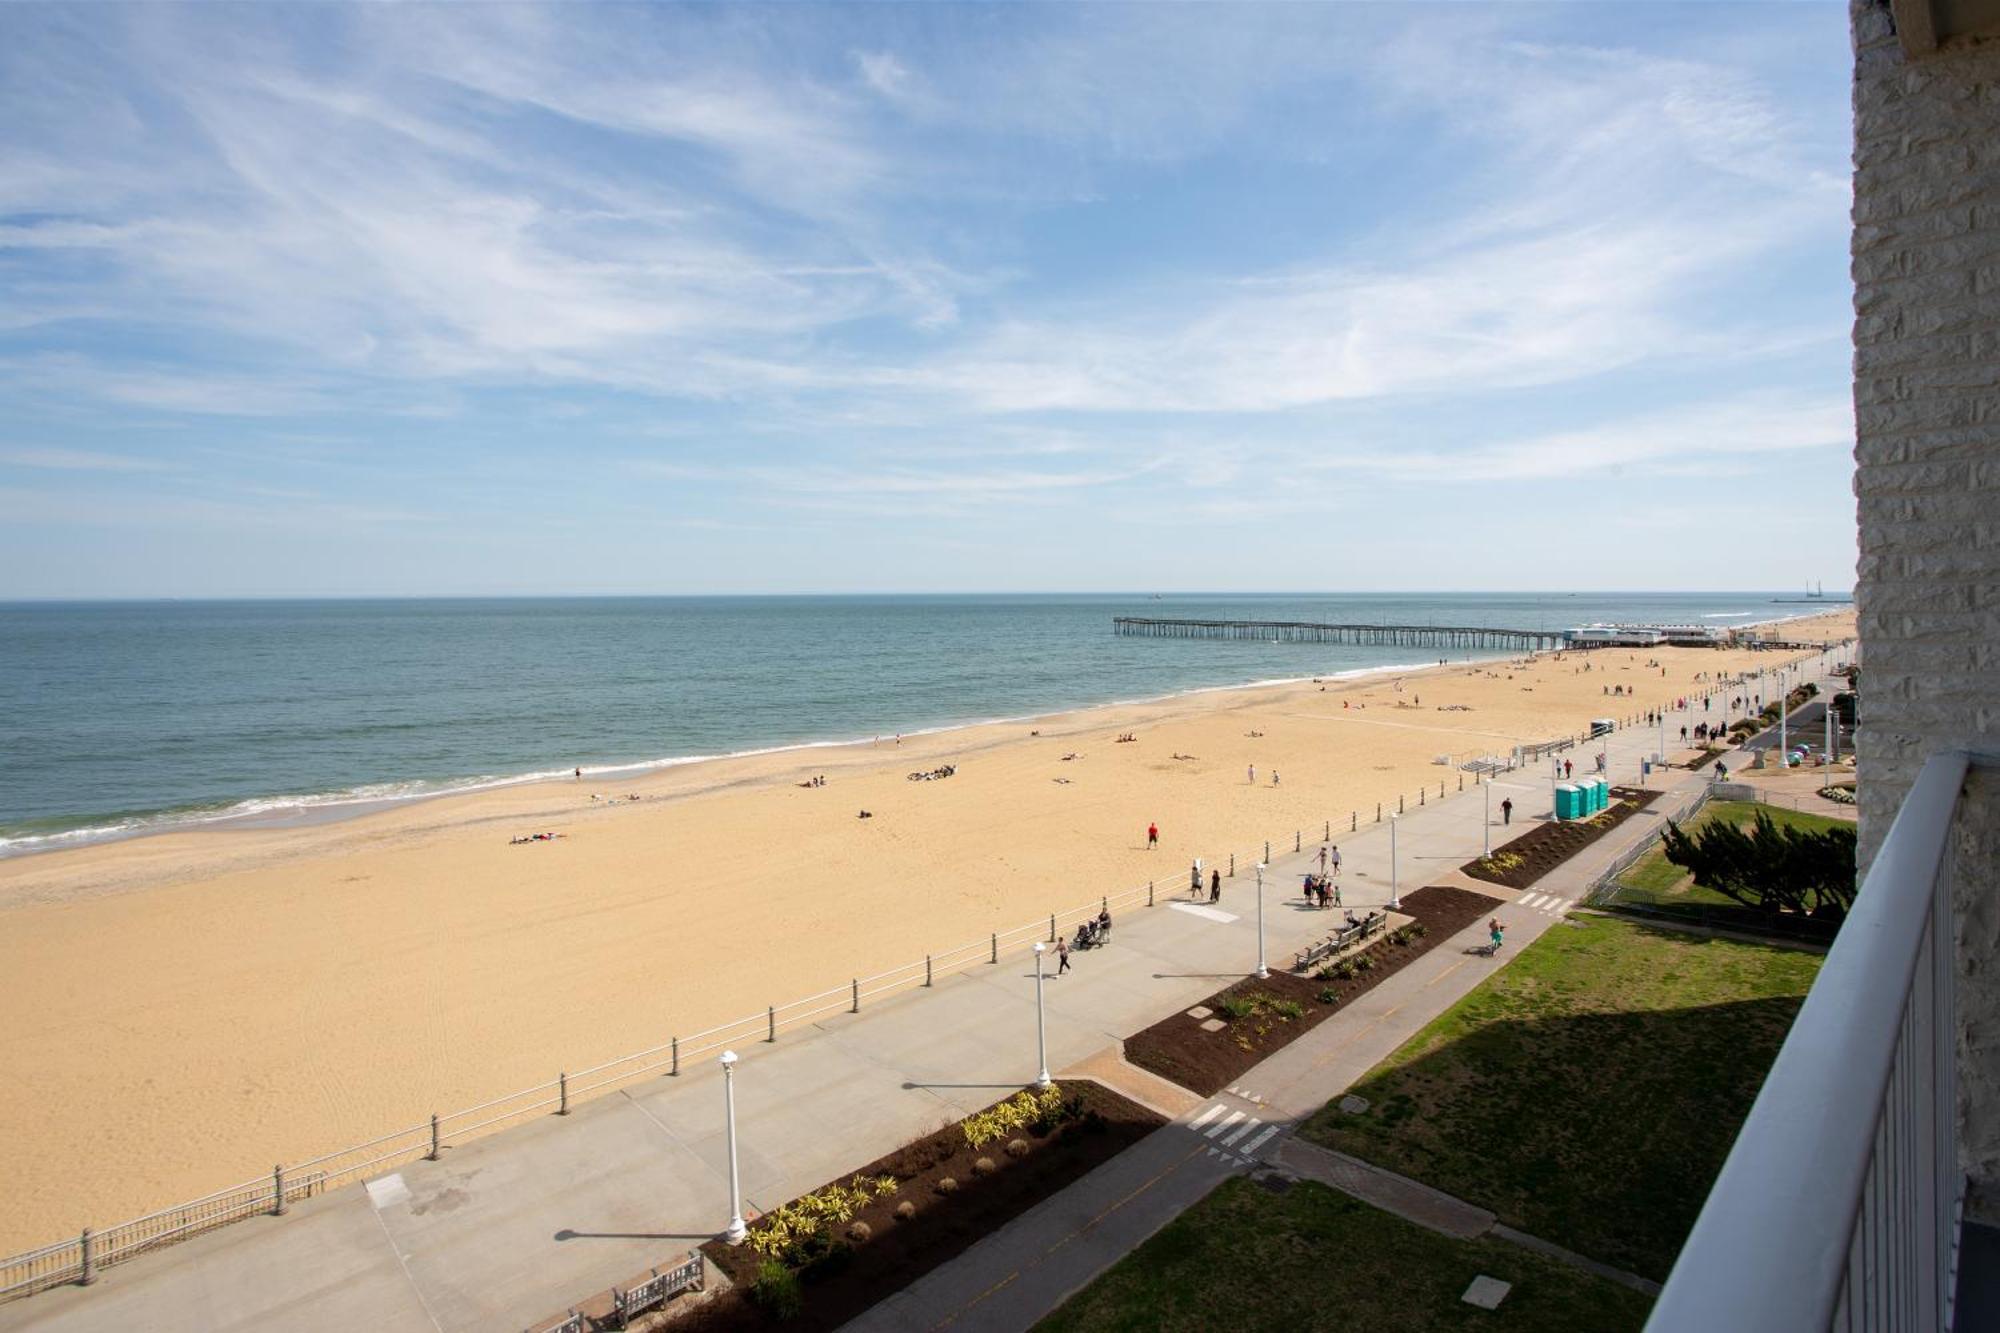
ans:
(1340, 939)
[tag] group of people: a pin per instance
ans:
(1322, 892)
(942, 771)
(817, 780)
(535, 837)
(1089, 935)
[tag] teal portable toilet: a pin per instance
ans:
(1600, 795)
(1569, 801)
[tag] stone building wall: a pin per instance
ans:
(1926, 263)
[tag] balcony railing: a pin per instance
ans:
(1838, 1208)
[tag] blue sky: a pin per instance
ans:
(319, 300)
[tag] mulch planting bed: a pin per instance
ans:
(848, 1276)
(1180, 1050)
(1520, 863)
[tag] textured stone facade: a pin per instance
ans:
(1927, 478)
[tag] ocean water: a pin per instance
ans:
(120, 718)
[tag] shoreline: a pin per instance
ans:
(315, 809)
(341, 805)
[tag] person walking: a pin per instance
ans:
(1253, 775)
(1494, 929)
(1215, 886)
(1152, 837)
(1507, 810)
(1322, 858)
(1336, 894)
(1333, 856)
(1062, 955)
(1274, 777)
(1194, 880)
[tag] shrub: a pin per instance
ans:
(905, 1211)
(1237, 1007)
(1288, 1009)
(948, 1185)
(985, 1166)
(1364, 963)
(1770, 868)
(776, 1289)
(1027, 1107)
(1017, 1147)
(1328, 995)
(799, 1232)
(860, 1232)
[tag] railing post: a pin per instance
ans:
(855, 988)
(1297, 839)
(1149, 893)
(562, 1093)
(1052, 927)
(1267, 851)
(676, 1068)
(278, 1190)
(436, 1141)
(770, 1023)
(1353, 822)
(1420, 794)
(88, 1268)
(1104, 904)
(927, 969)
(1232, 865)
(995, 939)
(1399, 805)
(1378, 812)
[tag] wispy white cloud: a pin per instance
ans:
(75, 460)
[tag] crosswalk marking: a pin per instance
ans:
(1221, 1125)
(1241, 1130)
(1237, 1135)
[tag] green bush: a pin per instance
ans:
(776, 1290)
(1770, 868)
(1328, 995)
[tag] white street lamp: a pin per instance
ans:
(1041, 1024)
(1487, 846)
(1262, 971)
(737, 1231)
(1395, 898)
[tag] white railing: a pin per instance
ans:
(1838, 1206)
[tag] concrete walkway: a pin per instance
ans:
(506, 1230)
(1021, 1273)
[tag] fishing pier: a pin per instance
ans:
(1302, 631)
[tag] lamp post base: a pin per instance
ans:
(736, 1232)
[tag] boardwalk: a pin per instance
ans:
(1304, 631)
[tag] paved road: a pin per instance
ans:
(506, 1230)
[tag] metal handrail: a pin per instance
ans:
(1779, 1246)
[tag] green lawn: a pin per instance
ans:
(1587, 1092)
(1653, 880)
(1310, 1258)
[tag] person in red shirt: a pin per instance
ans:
(1152, 836)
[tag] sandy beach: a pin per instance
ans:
(189, 1008)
